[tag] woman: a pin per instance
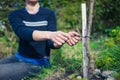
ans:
(36, 29)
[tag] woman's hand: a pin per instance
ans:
(59, 38)
(74, 38)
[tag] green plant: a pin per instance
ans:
(115, 55)
(117, 76)
(68, 57)
(8, 42)
(108, 58)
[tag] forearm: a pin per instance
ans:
(45, 35)
(41, 35)
(58, 38)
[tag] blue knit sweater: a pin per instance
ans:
(23, 24)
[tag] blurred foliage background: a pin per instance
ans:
(105, 38)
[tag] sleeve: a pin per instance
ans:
(52, 26)
(19, 28)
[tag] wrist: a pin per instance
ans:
(48, 35)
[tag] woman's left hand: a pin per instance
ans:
(74, 39)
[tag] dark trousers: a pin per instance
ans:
(13, 69)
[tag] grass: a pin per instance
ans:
(67, 59)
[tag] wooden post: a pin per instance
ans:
(84, 43)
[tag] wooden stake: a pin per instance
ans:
(84, 42)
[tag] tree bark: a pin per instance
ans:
(90, 20)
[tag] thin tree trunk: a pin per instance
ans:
(90, 20)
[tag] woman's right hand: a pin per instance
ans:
(59, 38)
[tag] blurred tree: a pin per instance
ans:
(106, 15)
(7, 38)
(5, 7)
(69, 12)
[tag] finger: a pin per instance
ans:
(56, 40)
(72, 42)
(69, 43)
(74, 39)
(62, 37)
(74, 33)
(77, 38)
(60, 40)
(66, 35)
(58, 43)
